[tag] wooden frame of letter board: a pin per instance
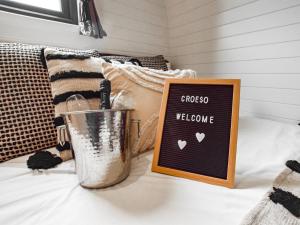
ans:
(229, 182)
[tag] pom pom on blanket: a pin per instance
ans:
(43, 160)
(293, 165)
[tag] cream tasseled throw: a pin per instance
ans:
(281, 205)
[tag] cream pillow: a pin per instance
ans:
(141, 89)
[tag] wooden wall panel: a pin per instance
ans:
(257, 41)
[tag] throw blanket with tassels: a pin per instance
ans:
(281, 205)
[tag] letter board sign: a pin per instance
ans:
(197, 130)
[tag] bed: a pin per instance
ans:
(55, 197)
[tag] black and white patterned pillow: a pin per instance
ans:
(26, 118)
(122, 60)
(153, 62)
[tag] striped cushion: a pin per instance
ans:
(72, 73)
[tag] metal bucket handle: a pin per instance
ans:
(138, 123)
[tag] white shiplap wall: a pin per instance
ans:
(255, 40)
(135, 27)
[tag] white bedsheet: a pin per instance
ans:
(54, 197)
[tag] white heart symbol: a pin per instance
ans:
(181, 144)
(200, 136)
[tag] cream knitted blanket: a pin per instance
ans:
(140, 89)
(281, 205)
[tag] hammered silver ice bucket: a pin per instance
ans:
(100, 142)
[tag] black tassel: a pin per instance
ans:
(43, 160)
(65, 146)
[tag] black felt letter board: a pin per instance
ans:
(196, 130)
